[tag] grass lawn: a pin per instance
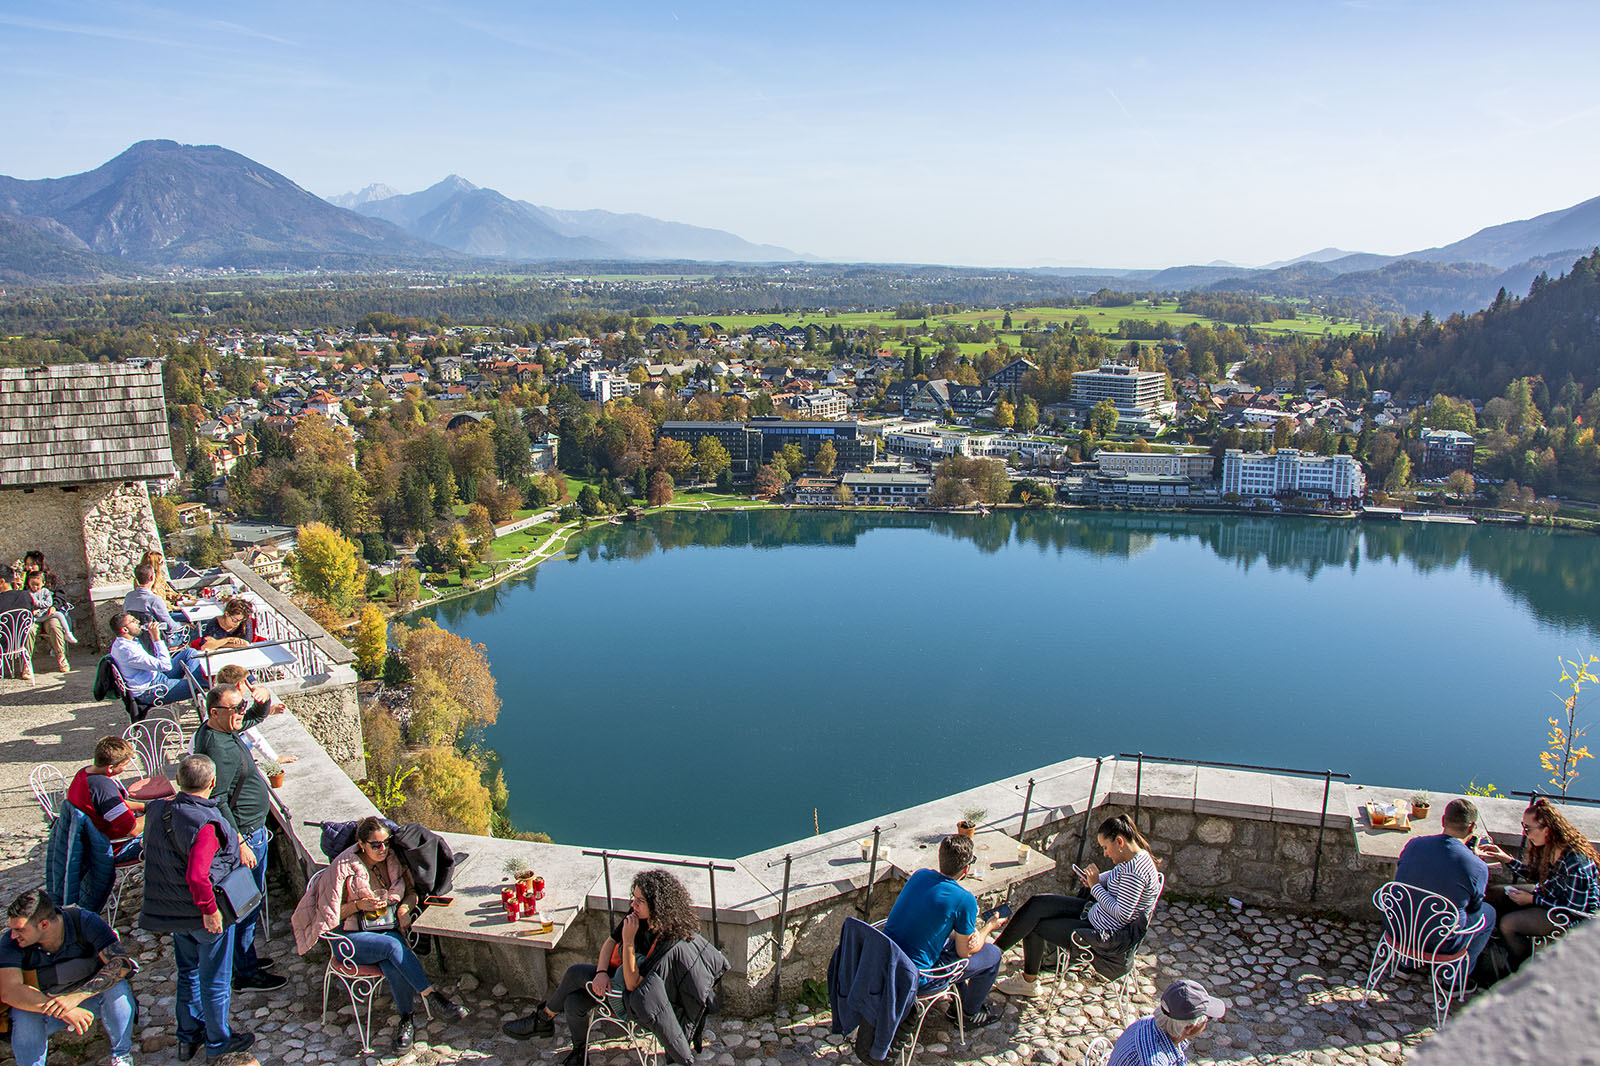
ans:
(518, 544)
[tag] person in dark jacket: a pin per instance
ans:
(872, 985)
(189, 848)
(678, 991)
(660, 915)
(242, 797)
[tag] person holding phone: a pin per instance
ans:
(367, 895)
(1446, 865)
(1564, 869)
(1120, 896)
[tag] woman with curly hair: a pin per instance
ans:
(659, 916)
(163, 586)
(1562, 866)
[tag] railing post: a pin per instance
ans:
(716, 931)
(1138, 788)
(1027, 804)
(783, 924)
(872, 870)
(611, 912)
(1322, 821)
(1088, 812)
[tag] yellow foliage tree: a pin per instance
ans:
(407, 586)
(372, 637)
(461, 669)
(447, 793)
(327, 565)
(1563, 753)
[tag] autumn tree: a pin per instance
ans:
(1399, 474)
(711, 458)
(1028, 415)
(660, 489)
(675, 457)
(1103, 418)
(1460, 484)
(447, 793)
(454, 673)
(407, 587)
(826, 458)
(372, 642)
(770, 481)
(1005, 415)
(166, 515)
(327, 566)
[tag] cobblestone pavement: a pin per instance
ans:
(1293, 985)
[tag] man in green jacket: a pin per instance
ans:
(241, 793)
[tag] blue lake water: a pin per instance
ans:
(701, 682)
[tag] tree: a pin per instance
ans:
(372, 642)
(327, 565)
(464, 697)
(166, 515)
(711, 458)
(1005, 415)
(660, 491)
(842, 494)
(794, 460)
(512, 448)
(1399, 474)
(407, 587)
(589, 500)
(951, 492)
(1460, 484)
(1027, 415)
(1103, 418)
(827, 455)
(989, 481)
(770, 481)
(675, 457)
(447, 793)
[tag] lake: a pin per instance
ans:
(704, 682)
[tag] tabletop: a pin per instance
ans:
(255, 657)
(477, 913)
(200, 612)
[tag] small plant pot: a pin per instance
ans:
(525, 879)
(966, 829)
(275, 780)
(1420, 810)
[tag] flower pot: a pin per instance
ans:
(275, 780)
(966, 829)
(1419, 810)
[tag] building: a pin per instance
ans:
(1286, 472)
(940, 395)
(1010, 375)
(855, 449)
(1444, 451)
(735, 437)
(80, 442)
(889, 490)
(1134, 490)
(824, 404)
(1196, 465)
(1140, 396)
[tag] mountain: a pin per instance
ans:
(1575, 229)
(460, 215)
(169, 204)
(1321, 255)
(34, 251)
(375, 191)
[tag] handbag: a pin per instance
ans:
(237, 894)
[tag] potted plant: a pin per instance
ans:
(970, 817)
(273, 771)
(519, 871)
(1420, 802)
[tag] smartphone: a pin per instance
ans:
(1003, 911)
(1079, 872)
(439, 901)
(1472, 843)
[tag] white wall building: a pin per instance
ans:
(1256, 475)
(1163, 464)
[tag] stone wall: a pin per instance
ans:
(118, 528)
(47, 520)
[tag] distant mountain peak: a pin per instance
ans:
(375, 191)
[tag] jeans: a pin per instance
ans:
(573, 998)
(245, 964)
(205, 986)
(1480, 939)
(1044, 919)
(400, 965)
(983, 966)
(31, 1032)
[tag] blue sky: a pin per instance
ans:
(1011, 134)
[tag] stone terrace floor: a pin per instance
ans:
(1293, 983)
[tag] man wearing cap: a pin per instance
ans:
(1162, 1039)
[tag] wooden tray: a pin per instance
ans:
(1401, 823)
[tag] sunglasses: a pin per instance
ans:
(376, 844)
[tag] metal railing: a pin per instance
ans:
(787, 862)
(1322, 819)
(710, 866)
(1094, 784)
(309, 660)
(1555, 797)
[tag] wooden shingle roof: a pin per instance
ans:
(83, 422)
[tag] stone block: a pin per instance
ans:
(1298, 801)
(1198, 866)
(1214, 831)
(1165, 826)
(1259, 877)
(1234, 793)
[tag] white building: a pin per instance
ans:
(1256, 475)
(1162, 464)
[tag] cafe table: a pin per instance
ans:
(252, 658)
(200, 612)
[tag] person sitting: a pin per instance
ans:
(234, 628)
(1118, 898)
(263, 702)
(660, 916)
(1562, 865)
(160, 586)
(15, 598)
(78, 971)
(96, 792)
(1162, 1038)
(153, 675)
(44, 604)
(367, 896)
(935, 922)
(1444, 864)
(145, 602)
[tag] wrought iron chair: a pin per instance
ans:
(1417, 926)
(360, 980)
(1563, 918)
(1098, 1053)
(126, 869)
(15, 626)
(612, 1012)
(938, 985)
(140, 706)
(49, 789)
(158, 744)
(1118, 991)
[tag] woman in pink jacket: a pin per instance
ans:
(366, 896)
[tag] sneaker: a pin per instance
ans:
(1018, 986)
(987, 1015)
(574, 1057)
(260, 982)
(537, 1024)
(446, 1010)
(122, 1060)
(188, 1049)
(404, 1033)
(236, 1042)
(266, 962)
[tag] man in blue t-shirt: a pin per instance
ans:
(78, 973)
(1446, 865)
(935, 922)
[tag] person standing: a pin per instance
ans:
(242, 797)
(1443, 864)
(189, 849)
(79, 973)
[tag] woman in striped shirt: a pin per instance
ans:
(1119, 896)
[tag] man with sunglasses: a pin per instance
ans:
(242, 795)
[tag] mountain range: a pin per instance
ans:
(161, 206)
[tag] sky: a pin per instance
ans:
(1005, 134)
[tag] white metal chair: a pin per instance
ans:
(360, 980)
(157, 742)
(1417, 926)
(1098, 1053)
(1118, 991)
(1563, 918)
(938, 985)
(15, 626)
(126, 871)
(611, 1012)
(49, 788)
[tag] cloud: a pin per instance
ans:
(79, 29)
